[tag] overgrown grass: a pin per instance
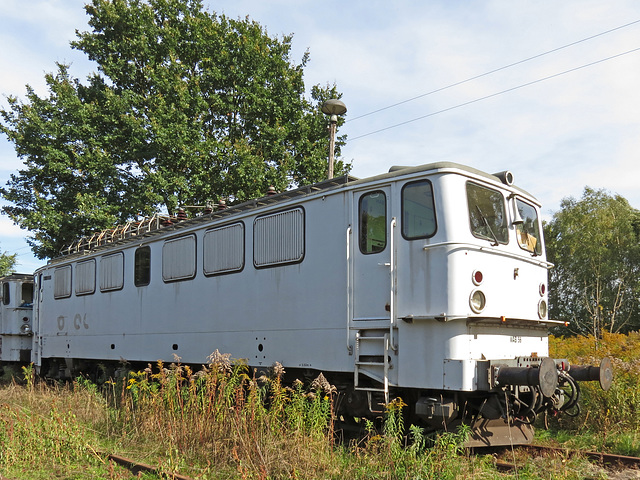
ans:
(225, 422)
(609, 420)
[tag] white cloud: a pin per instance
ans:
(10, 230)
(557, 136)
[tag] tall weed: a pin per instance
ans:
(224, 416)
(615, 412)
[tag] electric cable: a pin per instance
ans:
(495, 94)
(493, 71)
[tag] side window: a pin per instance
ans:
(6, 293)
(27, 293)
(179, 259)
(373, 222)
(142, 268)
(487, 216)
(528, 232)
(112, 272)
(278, 238)
(418, 211)
(85, 277)
(62, 282)
(224, 249)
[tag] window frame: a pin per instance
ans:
(279, 263)
(402, 207)
(192, 273)
(213, 273)
(362, 238)
(66, 293)
(108, 257)
(137, 266)
(502, 239)
(6, 293)
(538, 248)
(81, 264)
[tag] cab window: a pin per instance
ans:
(487, 217)
(418, 213)
(528, 232)
(373, 222)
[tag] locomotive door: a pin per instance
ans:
(372, 256)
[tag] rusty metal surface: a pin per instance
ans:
(605, 459)
(135, 468)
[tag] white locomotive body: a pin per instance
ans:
(426, 282)
(16, 307)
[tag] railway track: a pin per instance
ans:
(137, 468)
(605, 459)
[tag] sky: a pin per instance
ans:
(422, 82)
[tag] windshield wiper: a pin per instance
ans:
(486, 224)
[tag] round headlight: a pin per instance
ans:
(542, 308)
(477, 301)
(24, 329)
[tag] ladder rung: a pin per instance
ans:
(371, 364)
(371, 389)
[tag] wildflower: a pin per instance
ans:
(278, 369)
(220, 362)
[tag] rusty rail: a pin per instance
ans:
(136, 468)
(600, 457)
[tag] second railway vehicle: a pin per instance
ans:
(428, 283)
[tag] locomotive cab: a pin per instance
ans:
(468, 304)
(16, 307)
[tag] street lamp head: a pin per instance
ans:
(334, 107)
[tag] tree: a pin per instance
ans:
(7, 263)
(187, 107)
(594, 244)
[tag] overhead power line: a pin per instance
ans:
(492, 71)
(496, 94)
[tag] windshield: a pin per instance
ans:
(487, 217)
(528, 232)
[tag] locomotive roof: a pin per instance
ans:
(88, 244)
(17, 276)
(396, 171)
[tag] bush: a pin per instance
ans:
(613, 412)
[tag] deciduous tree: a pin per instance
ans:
(7, 263)
(594, 244)
(187, 107)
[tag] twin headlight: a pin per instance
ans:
(478, 300)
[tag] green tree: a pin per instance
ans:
(187, 107)
(7, 263)
(594, 244)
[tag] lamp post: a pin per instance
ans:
(333, 107)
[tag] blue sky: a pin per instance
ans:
(556, 135)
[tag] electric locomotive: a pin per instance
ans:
(428, 283)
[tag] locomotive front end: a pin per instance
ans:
(484, 327)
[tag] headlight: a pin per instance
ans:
(477, 301)
(542, 308)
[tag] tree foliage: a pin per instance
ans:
(7, 263)
(187, 107)
(594, 244)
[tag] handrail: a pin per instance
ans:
(495, 251)
(349, 293)
(392, 274)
